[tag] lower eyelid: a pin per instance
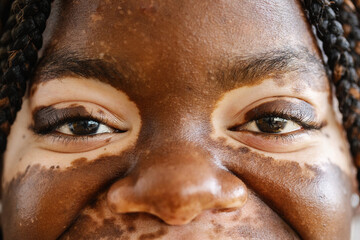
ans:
(63, 143)
(293, 141)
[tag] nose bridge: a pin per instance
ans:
(176, 183)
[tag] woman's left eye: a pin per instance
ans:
(270, 125)
(84, 128)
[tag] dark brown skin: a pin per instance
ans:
(177, 77)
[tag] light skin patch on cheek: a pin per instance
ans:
(35, 150)
(316, 153)
(339, 154)
(291, 193)
(303, 179)
(19, 137)
(229, 107)
(79, 183)
(77, 176)
(50, 160)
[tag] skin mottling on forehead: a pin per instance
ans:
(175, 37)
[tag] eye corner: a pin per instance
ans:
(121, 130)
(234, 127)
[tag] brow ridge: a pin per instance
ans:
(237, 71)
(251, 70)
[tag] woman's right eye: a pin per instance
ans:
(87, 120)
(85, 127)
(80, 126)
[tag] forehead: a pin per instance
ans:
(176, 40)
(267, 23)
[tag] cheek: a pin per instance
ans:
(48, 199)
(334, 143)
(314, 199)
(20, 137)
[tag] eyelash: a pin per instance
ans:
(58, 119)
(302, 120)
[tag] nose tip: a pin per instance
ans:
(176, 189)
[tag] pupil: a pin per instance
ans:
(84, 127)
(271, 124)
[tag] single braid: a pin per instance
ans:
(337, 26)
(357, 5)
(19, 45)
(4, 13)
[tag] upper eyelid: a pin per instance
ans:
(48, 115)
(298, 119)
(300, 109)
(46, 119)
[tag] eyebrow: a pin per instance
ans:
(233, 72)
(251, 70)
(69, 64)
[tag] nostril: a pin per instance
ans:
(174, 202)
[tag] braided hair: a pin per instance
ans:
(335, 23)
(337, 26)
(20, 42)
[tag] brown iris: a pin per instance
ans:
(271, 124)
(84, 127)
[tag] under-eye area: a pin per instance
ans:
(271, 123)
(84, 125)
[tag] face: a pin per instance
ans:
(178, 120)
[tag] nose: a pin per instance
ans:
(176, 185)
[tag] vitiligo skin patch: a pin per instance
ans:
(174, 84)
